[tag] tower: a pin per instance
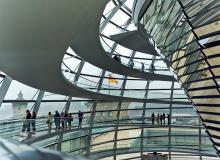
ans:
(19, 107)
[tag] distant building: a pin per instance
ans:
(19, 107)
(103, 111)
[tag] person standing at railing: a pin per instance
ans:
(33, 121)
(168, 119)
(70, 119)
(152, 118)
(49, 120)
(131, 63)
(62, 120)
(119, 58)
(57, 119)
(66, 119)
(26, 123)
(158, 119)
(161, 119)
(142, 66)
(80, 116)
(115, 58)
(164, 119)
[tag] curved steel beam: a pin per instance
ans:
(34, 36)
(141, 44)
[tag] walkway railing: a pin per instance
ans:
(12, 129)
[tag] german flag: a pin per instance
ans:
(112, 80)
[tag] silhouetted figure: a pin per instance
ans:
(70, 119)
(62, 120)
(27, 123)
(57, 119)
(168, 119)
(152, 118)
(119, 59)
(131, 63)
(152, 68)
(49, 120)
(161, 119)
(116, 58)
(142, 66)
(80, 116)
(164, 118)
(65, 119)
(158, 119)
(33, 121)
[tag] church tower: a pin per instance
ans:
(19, 108)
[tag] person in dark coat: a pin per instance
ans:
(26, 123)
(168, 119)
(161, 119)
(28, 118)
(152, 118)
(57, 119)
(33, 121)
(164, 118)
(80, 117)
(70, 119)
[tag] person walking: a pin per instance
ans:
(80, 117)
(57, 119)
(33, 121)
(152, 118)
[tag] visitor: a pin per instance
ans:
(142, 66)
(116, 58)
(158, 119)
(164, 119)
(168, 119)
(80, 117)
(33, 121)
(152, 118)
(161, 119)
(66, 119)
(26, 123)
(131, 63)
(152, 68)
(62, 120)
(28, 118)
(57, 119)
(49, 120)
(119, 58)
(70, 119)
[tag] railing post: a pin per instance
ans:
(118, 117)
(170, 120)
(144, 110)
(89, 140)
(59, 142)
